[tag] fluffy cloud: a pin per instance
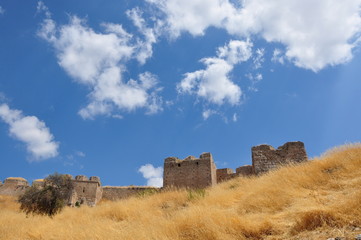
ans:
(193, 16)
(213, 83)
(97, 60)
(31, 131)
(144, 47)
(315, 34)
(153, 175)
(2, 11)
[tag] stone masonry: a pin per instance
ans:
(86, 191)
(118, 193)
(265, 157)
(191, 172)
(14, 186)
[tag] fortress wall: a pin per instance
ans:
(13, 186)
(86, 192)
(225, 174)
(190, 173)
(117, 193)
(266, 158)
(246, 170)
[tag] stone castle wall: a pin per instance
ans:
(244, 171)
(266, 158)
(190, 173)
(86, 191)
(117, 193)
(14, 186)
(195, 173)
(225, 174)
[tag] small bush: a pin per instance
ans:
(48, 200)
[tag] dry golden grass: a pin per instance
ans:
(315, 200)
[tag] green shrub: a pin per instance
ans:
(50, 199)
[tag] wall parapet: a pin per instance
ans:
(190, 172)
(266, 158)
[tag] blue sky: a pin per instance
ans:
(111, 88)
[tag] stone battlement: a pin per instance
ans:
(190, 172)
(266, 158)
(198, 173)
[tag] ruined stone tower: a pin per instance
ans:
(191, 172)
(13, 186)
(265, 157)
(86, 191)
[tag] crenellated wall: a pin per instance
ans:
(266, 158)
(191, 172)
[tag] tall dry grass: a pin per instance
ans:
(315, 200)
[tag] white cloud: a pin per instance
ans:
(314, 34)
(97, 60)
(42, 8)
(207, 113)
(234, 118)
(213, 83)
(2, 10)
(31, 131)
(254, 78)
(193, 16)
(278, 56)
(144, 48)
(80, 154)
(236, 51)
(258, 59)
(153, 175)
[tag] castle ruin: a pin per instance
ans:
(266, 158)
(190, 172)
(14, 186)
(201, 172)
(86, 191)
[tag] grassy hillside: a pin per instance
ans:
(315, 200)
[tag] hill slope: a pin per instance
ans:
(315, 200)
